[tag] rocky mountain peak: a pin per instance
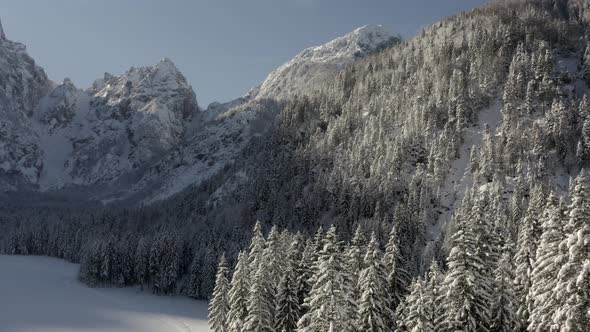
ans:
(166, 65)
(2, 34)
(360, 42)
(315, 64)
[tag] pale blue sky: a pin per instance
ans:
(224, 47)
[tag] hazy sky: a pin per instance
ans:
(224, 47)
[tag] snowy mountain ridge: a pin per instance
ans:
(143, 130)
(315, 64)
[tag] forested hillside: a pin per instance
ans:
(465, 140)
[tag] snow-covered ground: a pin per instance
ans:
(458, 181)
(40, 294)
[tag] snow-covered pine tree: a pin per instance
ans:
(464, 307)
(128, 247)
(526, 248)
(473, 161)
(544, 271)
(583, 111)
(107, 257)
(194, 282)
(417, 310)
(586, 64)
(434, 296)
(261, 302)
(487, 163)
(578, 317)
(238, 295)
(156, 253)
(329, 305)
(573, 303)
(355, 257)
(256, 250)
(480, 220)
(170, 264)
(90, 265)
(397, 277)
(374, 307)
(274, 256)
(295, 263)
(288, 308)
(583, 148)
(305, 276)
(503, 307)
(219, 305)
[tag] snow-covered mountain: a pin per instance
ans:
(140, 135)
(118, 126)
(316, 64)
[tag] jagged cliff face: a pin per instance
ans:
(120, 125)
(22, 85)
(56, 135)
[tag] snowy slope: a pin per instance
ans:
(459, 180)
(42, 294)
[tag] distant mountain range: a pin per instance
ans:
(141, 136)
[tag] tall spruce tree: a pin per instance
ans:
(397, 276)
(329, 305)
(504, 305)
(288, 308)
(374, 308)
(355, 256)
(578, 317)
(417, 309)
(261, 302)
(524, 259)
(545, 268)
(434, 295)
(238, 295)
(194, 282)
(219, 305)
(256, 252)
(142, 257)
(465, 308)
(571, 301)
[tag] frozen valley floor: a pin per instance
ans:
(41, 294)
